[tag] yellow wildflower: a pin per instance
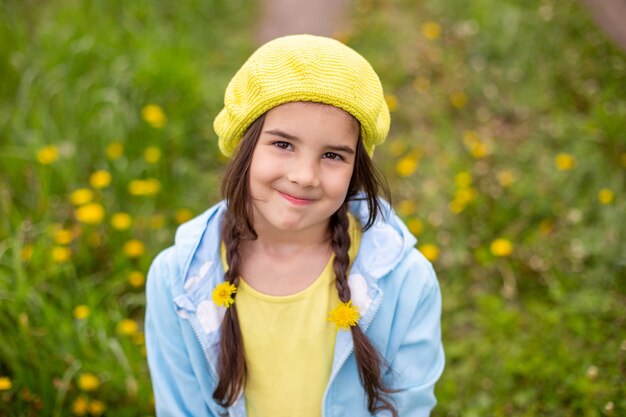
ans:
(407, 208)
(182, 215)
(463, 179)
(80, 406)
(81, 312)
(91, 213)
(27, 252)
(81, 196)
(222, 294)
(456, 206)
(501, 247)
(392, 102)
(415, 226)
(127, 327)
(430, 251)
(134, 248)
(458, 99)
(431, 30)
(152, 154)
(153, 115)
(47, 154)
(121, 221)
(96, 407)
(479, 150)
(63, 236)
(5, 383)
(61, 254)
(407, 165)
(506, 177)
(421, 84)
(115, 151)
(136, 279)
(606, 196)
(144, 187)
(345, 316)
(100, 179)
(465, 195)
(564, 162)
(88, 382)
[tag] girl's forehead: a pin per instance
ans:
(298, 112)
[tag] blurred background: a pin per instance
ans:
(506, 158)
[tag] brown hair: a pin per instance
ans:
(238, 225)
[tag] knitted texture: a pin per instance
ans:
(303, 68)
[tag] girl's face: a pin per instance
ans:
(301, 167)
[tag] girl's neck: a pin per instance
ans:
(287, 243)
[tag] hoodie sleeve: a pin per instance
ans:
(176, 389)
(419, 359)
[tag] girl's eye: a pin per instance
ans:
(333, 155)
(282, 145)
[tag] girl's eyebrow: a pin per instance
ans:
(293, 138)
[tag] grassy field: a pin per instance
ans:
(507, 158)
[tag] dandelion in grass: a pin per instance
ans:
(96, 407)
(501, 247)
(146, 187)
(183, 215)
(136, 279)
(88, 382)
(463, 179)
(415, 226)
(344, 316)
(407, 165)
(127, 327)
(47, 154)
(80, 406)
(606, 196)
(430, 251)
(90, 213)
(134, 248)
(81, 312)
(458, 99)
(81, 196)
(392, 102)
(154, 116)
(152, 154)
(115, 151)
(121, 221)
(63, 236)
(61, 254)
(100, 179)
(5, 383)
(564, 162)
(223, 294)
(431, 30)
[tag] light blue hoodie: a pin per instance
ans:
(393, 285)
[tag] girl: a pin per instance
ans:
(301, 294)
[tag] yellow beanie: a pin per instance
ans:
(303, 68)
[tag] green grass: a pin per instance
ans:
(494, 92)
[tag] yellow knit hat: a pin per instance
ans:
(303, 68)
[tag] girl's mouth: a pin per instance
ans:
(295, 200)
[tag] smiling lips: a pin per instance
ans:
(295, 200)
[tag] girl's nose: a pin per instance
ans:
(303, 173)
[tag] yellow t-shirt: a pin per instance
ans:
(289, 343)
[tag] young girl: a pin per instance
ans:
(301, 294)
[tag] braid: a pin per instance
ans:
(231, 362)
(369, 361)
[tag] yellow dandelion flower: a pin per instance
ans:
(134, 248)
(223, 294)
(463, 179)
(183, 215)
(88, 382)
(153, 115)
(430, 251)
(81, 312)
(456, 206)
(27, 252)
(121, 221)
(546, 226)
(479, 150)
(96, 407)
(80, 406)
(407, 166)
(91, 213)
(152, 154)
(458, 99)
(127, 327)
(136, 279)
(63, 236)
(100, 179)
(47, 155)
(465, 195)
(421, 84)
(81, 196)
(5, 383)
(157, 221)
(606, 196)
(415, 226)
(501, 247)
(147, 187)
(392, 102)
(564, 162)
(345, 316)
(115, 151)
(61, 254)
(506, 177)
(431, 30)
(406, 208)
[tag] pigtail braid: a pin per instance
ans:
(369, 361)
(231, 363)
